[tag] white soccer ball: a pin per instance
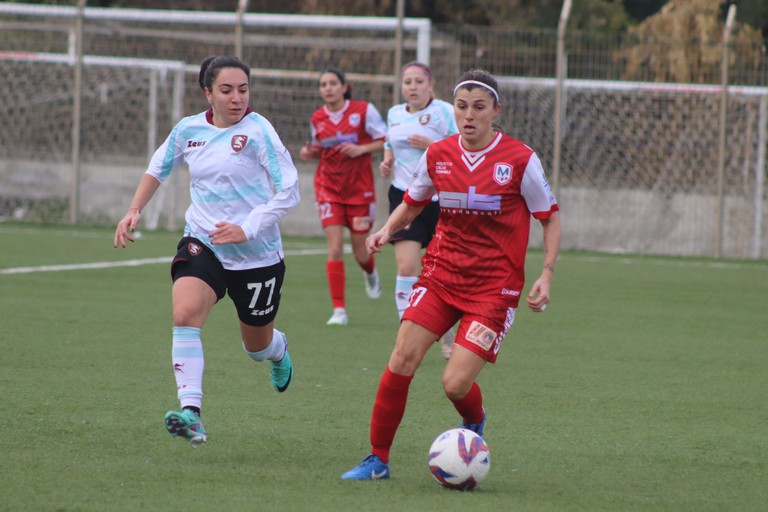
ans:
(459, 459)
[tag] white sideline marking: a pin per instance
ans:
(125, 263)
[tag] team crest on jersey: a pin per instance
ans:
(424, 119)
(354, 120)
(502, 173)
(194, 249)
(238, 142)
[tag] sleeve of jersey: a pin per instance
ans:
(536, 191)
(387, 143)
(421, 189)
(167, 157)
(285, 178)
(374, 123)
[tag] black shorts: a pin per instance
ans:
(422, 228)
(255, 292)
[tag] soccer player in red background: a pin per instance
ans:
(345, 133)
(473, 272)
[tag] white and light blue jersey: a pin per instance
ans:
(434, 122)
(242, 174)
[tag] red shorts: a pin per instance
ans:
(357, 217)
(482, 326)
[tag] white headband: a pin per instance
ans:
(475, 82)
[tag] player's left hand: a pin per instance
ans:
(351, 150)
(227, 233)
(538, 297)
(419, 141)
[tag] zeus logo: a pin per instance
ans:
(470, 200)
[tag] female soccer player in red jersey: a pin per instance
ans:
(345, 133)
(488, 185)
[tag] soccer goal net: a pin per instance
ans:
(639, 161)
(127, 105)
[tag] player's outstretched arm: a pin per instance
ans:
(398, 219)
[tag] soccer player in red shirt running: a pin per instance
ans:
(345, 133)
(473, 272)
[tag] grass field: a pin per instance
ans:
(643, 387)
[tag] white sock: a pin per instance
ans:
(188, 364)
(403, 286)
(274, 352)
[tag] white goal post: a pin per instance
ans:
(421, 26)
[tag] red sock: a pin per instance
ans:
(388, 411)
(335, 272)
(370, 266)
(471, 406)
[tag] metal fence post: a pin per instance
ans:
(77, 97)
(400, 12)
(723, 128)
(559, 102)
(242, 7)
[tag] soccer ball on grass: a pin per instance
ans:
(459, 459)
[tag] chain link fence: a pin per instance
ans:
(638, 169)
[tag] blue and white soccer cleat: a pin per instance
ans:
(370, 469)
(280, 372)
(186, 424)
(477, 428)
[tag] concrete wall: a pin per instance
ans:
(617, 221)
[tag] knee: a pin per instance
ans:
(401, 364)
(183, 314)
(455, 388)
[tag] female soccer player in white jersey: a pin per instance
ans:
(242, 182)
(489, 185)
(411, 127)
(345, 133)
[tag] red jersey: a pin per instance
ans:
(486, 200)
(340, 179)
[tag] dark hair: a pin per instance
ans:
(421, 65)
(340, 75)
(210, 67)
(482, 76)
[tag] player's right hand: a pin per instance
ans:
(307, 152)
(386, 167)
(127, 226)
(376, 241)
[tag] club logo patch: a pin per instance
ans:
(424, 119)
(481, 335)
(194, 249)
(502, 173)
(354, 120)
(238, 142)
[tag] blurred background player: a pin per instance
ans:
(242, 181)
(345, 133)
(473, 271)
(411, 127)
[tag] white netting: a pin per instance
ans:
(639, 161)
